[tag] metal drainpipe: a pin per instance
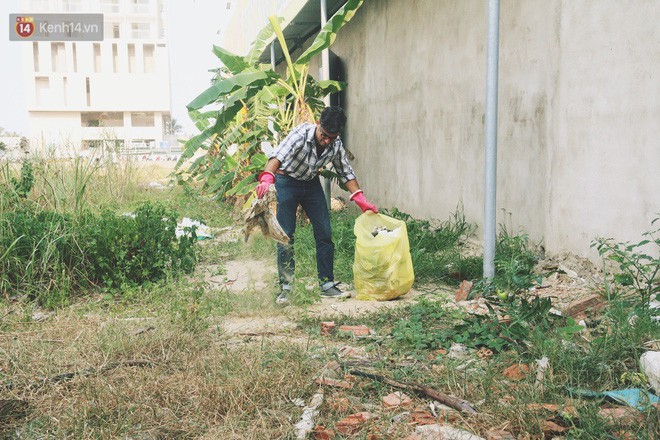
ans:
(490, 172)
(272, 54)
(325, 74)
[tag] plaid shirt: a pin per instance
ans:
(298, 158)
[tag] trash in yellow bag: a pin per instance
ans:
(382, 268)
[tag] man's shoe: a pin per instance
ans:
(283, 297)
(334, 292)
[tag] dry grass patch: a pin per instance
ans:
(189, 385)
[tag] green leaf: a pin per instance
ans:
(228, 86)
(244, 186)
(329, 32)
(263, 39)
(223, 180)
(235, 63)
(331, 86)
(193, 145)
(275, 22)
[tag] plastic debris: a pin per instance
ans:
(634, 397)
(649, 363)
(201, 230)
(306, 423)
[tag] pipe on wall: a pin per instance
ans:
(490, 169)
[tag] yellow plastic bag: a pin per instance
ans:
(382, 268)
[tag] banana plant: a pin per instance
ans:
(249, 104)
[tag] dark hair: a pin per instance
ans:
(333, 119)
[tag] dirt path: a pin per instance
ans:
(244, 277)
(569, 282)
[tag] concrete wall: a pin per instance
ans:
(579, 113)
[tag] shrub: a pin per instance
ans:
(43, 252)
(135, 248)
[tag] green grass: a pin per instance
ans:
(199, 382)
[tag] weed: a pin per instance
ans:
(436, 250)
(637, 263)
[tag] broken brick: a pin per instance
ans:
(353, 423)
(356, 330)
(464, 290)
(339, 404)
(516, 371)
(327, 327)
(396, 399)
(622, 415)
(321, 433)
(591, 302)
(334, 382)
(422, 418)
(498, 434)
(550, 428)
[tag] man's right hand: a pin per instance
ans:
(266, 179)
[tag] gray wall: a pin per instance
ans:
(579, 113)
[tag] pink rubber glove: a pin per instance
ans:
(266, 179)
(359, 198)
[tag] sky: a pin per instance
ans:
(192, 27)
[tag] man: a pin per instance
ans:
(293, 167)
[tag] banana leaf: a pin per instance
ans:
(263, 39)
(193, 144)
(235, 63)
(329, 32)
(230, 85)
(243, 187)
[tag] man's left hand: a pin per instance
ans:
(360, 199)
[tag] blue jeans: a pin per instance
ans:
(291, 193)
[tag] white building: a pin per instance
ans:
(111, 93)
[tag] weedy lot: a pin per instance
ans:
(205, 353)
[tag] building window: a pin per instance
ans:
(35, 55)
(110, 144)
(131, 58)
(41, 86)
(97, 58)
(141, 31)
(88, 92)
(111, 30)
(144, 119)
(75, 57)
(140, 6)
(149, 60)
(39, 6)
(65, 90)
(71, 5)
(115, 59)
(143, 144)
(109, 5)
(58, 56)
(102, 119)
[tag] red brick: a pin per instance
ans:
(464, 290)
(356, 330)
(320, 433)
(516, 371)
(353, 423)
(396, 399)
(422, 418)
(498, 434)
(327, 327)
(334, 382)
(591, 302)
(622, 415)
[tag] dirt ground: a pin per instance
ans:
(571, 279)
